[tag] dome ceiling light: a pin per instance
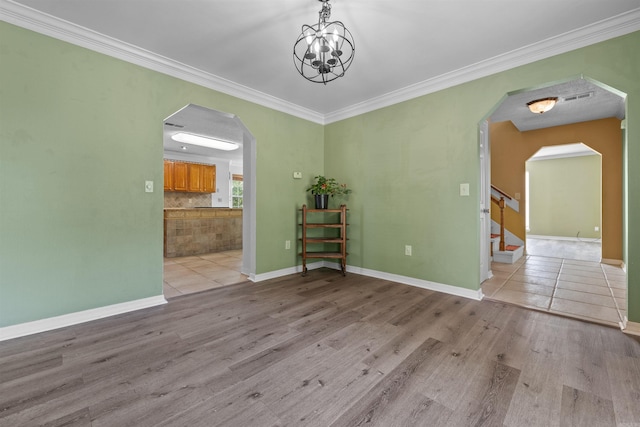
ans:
(543, 105)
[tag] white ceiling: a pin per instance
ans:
(203, 121)
(579, 100)
(404, 48)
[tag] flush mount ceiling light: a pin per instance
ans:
(324, 51)
(543, 105)
(204, 141)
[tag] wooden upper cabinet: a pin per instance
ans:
(209, 178)
(179, 176)
(194, 180)
(168, 175)
(190, 177)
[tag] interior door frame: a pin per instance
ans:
(485, 200)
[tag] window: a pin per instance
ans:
(236, 191)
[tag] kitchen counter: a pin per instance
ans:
(201, 212)
(196, 231)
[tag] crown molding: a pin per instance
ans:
(26, 17)
(31, 19)
(616, 26)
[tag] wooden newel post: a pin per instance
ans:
(501, 205)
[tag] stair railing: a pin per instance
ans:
(501, 205)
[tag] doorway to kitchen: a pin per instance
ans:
(209, 234)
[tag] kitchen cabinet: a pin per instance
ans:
(189, 177)
(168, 175)
(194, 180)
(179, 176)
(209, 178)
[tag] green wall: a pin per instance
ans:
(80, 132)
(411, 158)
(564, 197)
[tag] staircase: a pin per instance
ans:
(500, 250)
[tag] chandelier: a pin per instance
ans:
(324, 51)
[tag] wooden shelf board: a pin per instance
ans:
(323, 255)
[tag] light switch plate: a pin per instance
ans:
(464, 189)
(297, 175)
(148, 186)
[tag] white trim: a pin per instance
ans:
(424, 284)
(42, 325)
(412, 281)
(43, 23)
(572, 239)
(606, 29)
(284, 272)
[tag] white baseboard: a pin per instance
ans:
(42, 325)
(424, 284)
(412, 281)
(70, 319)
(284, 272)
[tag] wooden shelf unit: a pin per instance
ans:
(340, 239)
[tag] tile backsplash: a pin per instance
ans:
(173, 199)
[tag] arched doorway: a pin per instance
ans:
(219, 126)
(584, 109)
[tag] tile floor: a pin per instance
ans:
(580, 289)
(186, 275)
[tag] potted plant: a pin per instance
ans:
(324, 187)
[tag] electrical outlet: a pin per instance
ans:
(596, 228)
(287, 244)
(297, 175)
(407, 250)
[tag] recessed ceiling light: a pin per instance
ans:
(203, 141)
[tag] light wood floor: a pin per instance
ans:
(323, 350)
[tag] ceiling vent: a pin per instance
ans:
(580, 96)
(173, 125)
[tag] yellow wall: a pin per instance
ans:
(511, 148)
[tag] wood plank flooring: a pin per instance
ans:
(323, 350)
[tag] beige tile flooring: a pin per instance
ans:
(186, 275)
(585, 290)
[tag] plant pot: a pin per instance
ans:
(322, 201)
